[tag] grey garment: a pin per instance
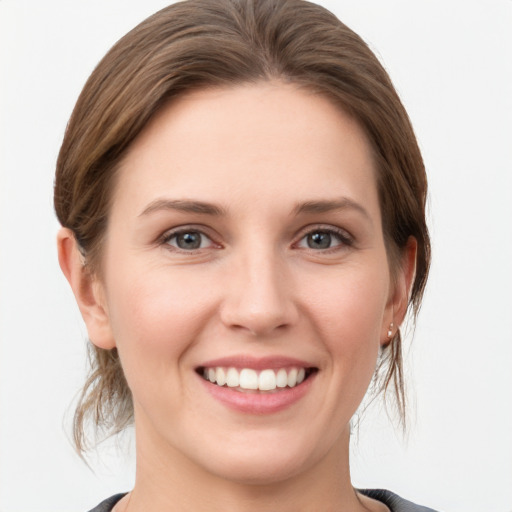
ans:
(391, 500)
(108, 504)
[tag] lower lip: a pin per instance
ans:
(259, 403)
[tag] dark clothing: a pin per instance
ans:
(108, 504)
(392, 501)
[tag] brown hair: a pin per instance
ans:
(207, 43)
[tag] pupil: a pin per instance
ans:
(319, 240)
(189, 241)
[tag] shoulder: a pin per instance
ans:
(394, 502)
(108, 504)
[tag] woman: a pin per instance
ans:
(242, 200)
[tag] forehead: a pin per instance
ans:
(249, 142)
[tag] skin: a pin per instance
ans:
(260, 154)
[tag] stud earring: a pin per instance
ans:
(390, 331)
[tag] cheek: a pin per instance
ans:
(354, 302)
(350, 316)
(155, 318)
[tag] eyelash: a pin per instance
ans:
(345, 239)
(170, 235)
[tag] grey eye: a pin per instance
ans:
(319, 240)
(189, 240)
(322, 239)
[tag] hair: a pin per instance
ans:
(224, 43)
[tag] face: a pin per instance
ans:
(245, 281)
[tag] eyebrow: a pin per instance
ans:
(204, 208)
(324, 206)
(183, 206)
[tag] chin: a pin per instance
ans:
(263, 463)
(263, 471)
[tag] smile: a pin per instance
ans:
(251, 380)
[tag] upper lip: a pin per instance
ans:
(256, 363)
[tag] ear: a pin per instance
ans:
(87, 288)
(396, 308)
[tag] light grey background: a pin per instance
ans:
(451, 61)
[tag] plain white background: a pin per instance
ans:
(451, 61)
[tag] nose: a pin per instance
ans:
(259, 295)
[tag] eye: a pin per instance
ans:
(324, 239)
(188, 240)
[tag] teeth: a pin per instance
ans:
(220, 377)
(292, 377)
(267, 380)
(247, 378)
(282, 378)
(232, 378)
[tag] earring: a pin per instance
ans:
(390, 331)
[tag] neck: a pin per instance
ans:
(168, 481)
